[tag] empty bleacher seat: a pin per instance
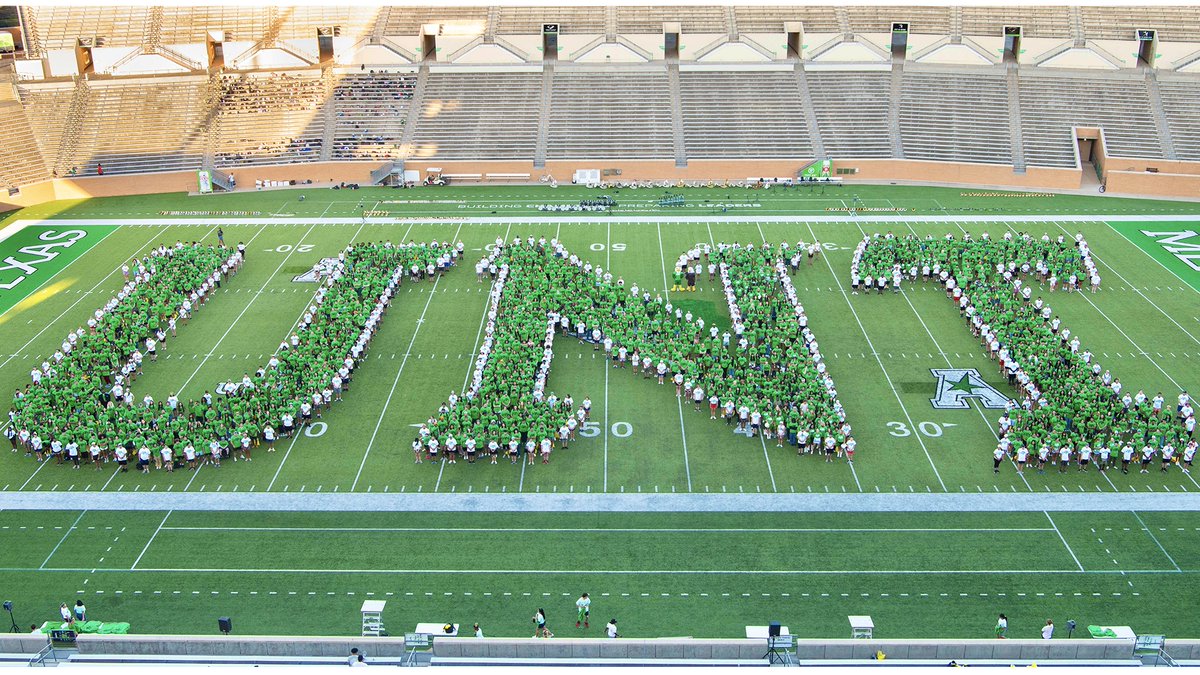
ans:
(1181, 105)
(479, 116)
(744, 114)
(852, 112)
(620, 115)
(960, 117)
(1051, 105)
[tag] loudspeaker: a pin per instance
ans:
(225, 625)
(773, 629)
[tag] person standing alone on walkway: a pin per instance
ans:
(584, 607)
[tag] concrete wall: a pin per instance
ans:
(22, 643)
(666, 648)
(219, 645)
(1086, 649)
(1124, 175)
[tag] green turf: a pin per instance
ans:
(33, 256)
(1144, 324)
(808, 570)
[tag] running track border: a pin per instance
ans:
(541, 502)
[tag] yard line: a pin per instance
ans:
(151, 541)
(1135, 288)
(82, 296)
(403, 362)
(1064, 541)
(761, 438)
(607, 266)
(296, 436)
(606, 572)
(951, 365)
(668, 530)
(248, 304)
(474, 352)
(878, 360)
(36, 471)
(1185, 282)
(662, 259)
(64, 538)
(1156, 541)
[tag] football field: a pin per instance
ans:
(926, 569)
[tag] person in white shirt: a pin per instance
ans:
(584, 607)
(611, 629)
(1048, 630)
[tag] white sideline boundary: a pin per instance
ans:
(1099, 219)
(621, 530)
(695, 502)
(604, 572)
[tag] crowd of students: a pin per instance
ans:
(1071, 411)
(764, 375)
(80, 408)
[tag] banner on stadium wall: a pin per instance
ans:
(818, 169)
(205, 180)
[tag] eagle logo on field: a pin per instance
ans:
(319, 271)
(956, 385)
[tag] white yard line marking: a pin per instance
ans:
(878, 360)
(1064, 541)
(662, 259)
(64, 538)
(607, 266)
(1156, 541)
(1135, 288)
(287, 453)
(245, 309)
(761, 439)
(151, 541)
(624, 530)
(937, 344)
(1148, 218)
(403, 362)
(606, 572)
(36, 471)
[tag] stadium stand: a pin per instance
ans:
(482, 111)
(1179, 23)
(59, 26)
(408, 20)
(570, 20)
(23, 161)
(1181, 100)
(1056, 102)
(46, 109)
(955, 116)
(613, 114)
(698, 19)
(744, 114)
(473, 115)
(371, 111)
(878, 19)
(165, 115)
(270, 119)
(1045, 21)
(816, 19)
(852, 112)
